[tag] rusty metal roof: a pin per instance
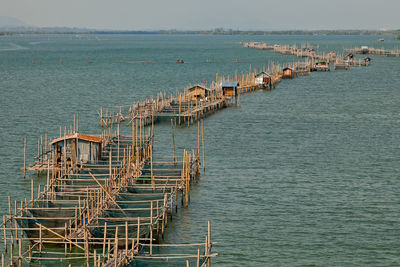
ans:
(200, 86)
(89, 138)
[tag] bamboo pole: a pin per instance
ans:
(202, 140)
(126, 237)
(133, 136)
(108, 194)
(101, 119)
(57, 234)
(151, 165)
(24, 157)
(151, 235)
(5, 233)
(138, 233)
(118, 141)
(40, 238)
(180, 97)
(105, 237)
(198, 258)
(198, 137)
(173, 140)
(116, 247)
(110, 161)
(32, 192)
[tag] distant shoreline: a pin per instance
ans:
(205, 32)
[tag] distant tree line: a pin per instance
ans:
(217, 31)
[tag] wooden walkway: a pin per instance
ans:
(108, 212)
(374, 51)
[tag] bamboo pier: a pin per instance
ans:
(184, 109)
(108, 198)
(108, 210)
(308, 51)
(374, 51)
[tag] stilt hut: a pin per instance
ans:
(76, 148)
(364, 50)
(263, 80)
(287, 73)
(229, 89)
(198, 92)
(321, 66)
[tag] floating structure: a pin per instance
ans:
(198, 101)
(341, 64)
(76, 148)
(321, 66)
(229, 89)
(317, 61)
(263, 79)
(198, 93)
(288, 73)
(106, 202)
(195, 102)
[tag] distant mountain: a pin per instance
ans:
(10, 23)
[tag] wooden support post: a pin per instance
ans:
(152, 129)
(65, 238)
(108, 249)
(151, 239)
(209, 233)
(198, 138)
(126, 237)
(86, 247)
(116, 247)
(202, 140)
(11, 252)
(151, 166)
(5, 233)
(40, 238)
(101, 119)
(110, 161)
(173, 140)
(118, 140)
(31, 192)
(138, 233)
(133, 136)
(198, 258)
(105, 238)
(24, 157)
(179, 118)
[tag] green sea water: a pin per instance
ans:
(304, 175)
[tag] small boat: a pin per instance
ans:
(180, 61)
(381, 40)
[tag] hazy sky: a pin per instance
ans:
(207, 14)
